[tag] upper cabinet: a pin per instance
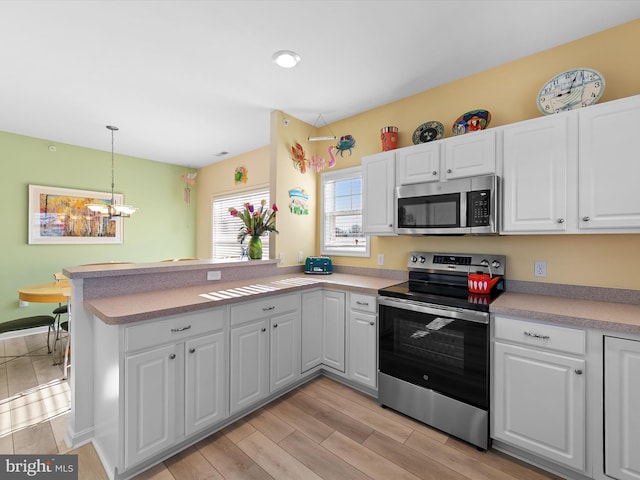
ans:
(608, 166)
(537, 154)
(462, 156)
(573, 172)
(378, 184)
(418, 164)
(470, 154)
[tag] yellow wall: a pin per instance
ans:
(218, 179)
(509, 93)
(297, 232)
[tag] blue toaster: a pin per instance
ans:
(318, 265)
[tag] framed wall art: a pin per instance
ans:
(60, 216)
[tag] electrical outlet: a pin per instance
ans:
(381, 259)
(214, 275)
(540, 269)
(300, 256)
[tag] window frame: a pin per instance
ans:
(237, 200)
(334, 176)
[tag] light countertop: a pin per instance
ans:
(619, 317)
(159, 303)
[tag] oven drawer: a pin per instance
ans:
(365, 303)
(550, 337)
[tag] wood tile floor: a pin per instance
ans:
(322, 430)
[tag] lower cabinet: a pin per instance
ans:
(323, 329)
(265, 348)
(362, 340)
(621, 406)
(333, 332)
(539, 391)
(174, 389)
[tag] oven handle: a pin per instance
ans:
(434, 309)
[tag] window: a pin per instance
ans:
(225, 227)
(341, 212)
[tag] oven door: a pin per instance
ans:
(440, 348)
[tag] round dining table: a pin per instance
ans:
(57, 291)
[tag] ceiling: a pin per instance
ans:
(185, 80)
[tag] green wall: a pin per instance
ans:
(164, 226)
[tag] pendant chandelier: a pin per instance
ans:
(112, 210)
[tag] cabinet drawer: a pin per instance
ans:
(550, 337)
(172, 329)
(365, 303)
(266, 307)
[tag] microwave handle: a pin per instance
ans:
(464, 222)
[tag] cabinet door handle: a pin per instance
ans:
(266, 309)
(586, 219)
(275, 325)
(372, 323)
(364, 304)
(537, 335)
(435, 172)
(192, 350)
(448, 170)
(181, 329)
(172, 356)
(263, 329)
(561, 220)
(578, 371)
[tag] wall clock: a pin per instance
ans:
(569, 90)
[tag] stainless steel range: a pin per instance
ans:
(434, 342)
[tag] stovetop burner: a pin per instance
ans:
(441, 279)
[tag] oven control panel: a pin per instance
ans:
(457, 262)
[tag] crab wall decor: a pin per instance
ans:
(346, 142)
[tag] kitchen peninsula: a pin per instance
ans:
(165, 354)
(163, 357)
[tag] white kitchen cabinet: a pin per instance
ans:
(265, 348)
(362, 343)
(249, 373)
(537, 156)
(378, 185)
(334, 325)
(150, 402)
(323, 329)
(621, 401)
(174, 381)
(205, 387)
(608, 166)
(418, 164)
(470, 154)
(284, 344)
(539, 390)
(312, 329)
(574, 172)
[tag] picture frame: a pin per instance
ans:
(60, 216)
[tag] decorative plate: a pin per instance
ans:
(428, 132)
(471, 121)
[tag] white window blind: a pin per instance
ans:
(341, 210)
(225, 228)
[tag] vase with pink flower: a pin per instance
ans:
(257, 222)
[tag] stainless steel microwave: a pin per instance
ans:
(453, 207)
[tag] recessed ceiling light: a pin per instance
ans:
(286, 58)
